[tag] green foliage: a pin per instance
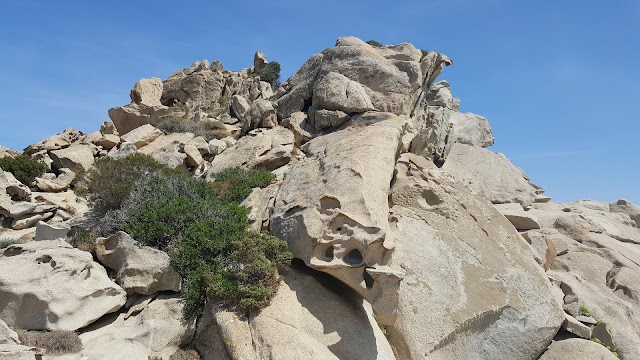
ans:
(108, 183)
(382, 327)
(83, 239)
(24, 168)
(271, 74)
(203, 227)
(584, 310)
(374, 43)
(235, 184)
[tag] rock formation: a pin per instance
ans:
(411, 239)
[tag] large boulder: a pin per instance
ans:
(467, 270)
(59, 183)
(305, 320)
(392, 77)
(129, 117)
(58, 141)
(140, 269)
(471, 129)
(571, 349)
(337, 92)
(142, 135)
(154, 327)
(77, 158)
(332, 207)
(49, 285)
(260, 148)
(147, 92)
(490, 174)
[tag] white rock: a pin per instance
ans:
(626, 207)
(45, 231)
(193, 155)
(140, 269)
(108, 141)
(62, 287)
(142, 135)
(467, 270)
(521, 219)
(471, 129)
(147, 92)
(489, 174)
(216, 146)
(337, 92)
(60, 183)
(76, 158)
(63, 139)
(153, 329)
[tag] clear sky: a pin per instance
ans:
(559, 81)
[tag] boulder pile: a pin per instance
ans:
(411, 239)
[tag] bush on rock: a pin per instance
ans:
(24, 168)
(204, 229)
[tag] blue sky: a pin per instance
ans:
(559, 81)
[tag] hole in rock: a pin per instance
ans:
(339, 228)
(329, 253)
(431, 197)
(306, 105)
(43, 259)
(368, 280)
(329, 282)
(354, 257)
(328, 202)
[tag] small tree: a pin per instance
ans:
(374, 43)
(271, 74)
(24, 168)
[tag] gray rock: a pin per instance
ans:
(521, 219)
(574, 326)
(324, 119)
(46, 231)
(471, 129)
(335, 91)
(571, 349)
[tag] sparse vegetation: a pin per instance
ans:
(53, 342)
(374, 43)
(202, 128)
(24, 168)
(108, 183)
(598, 341)
(6, 242)
(584, 310)
(271, 74)
(201, 226)
(83, 239)
(382, 327)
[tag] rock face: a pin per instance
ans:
(140, 269)
(76, 158)
(153, 326)
(471, 129)
(577, 349)
(49, 285)
(489, 174)
(467, 270)
(332, 208)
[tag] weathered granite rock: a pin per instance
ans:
(58, 141)
(571, 349)
(332, 207)
(572, 325)
(264, 149)
(76, 158)
(259, 61)
(129, 117)
(307, 321)
(60, 183)
(335, 91)
(394, 77)
(49, 285)
(194, 158)
(19, 352)
(46, 231)
(142, 135)
(147, 92)
(261, 113)
(626, 207)
(489, 174)
(521, 219)
(467, 270)
(12, 189)
(152, 327)
(326, 119)
(108, 141)
(471, 129)
(301, 127)
(140, 269)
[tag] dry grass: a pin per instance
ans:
(53, 342)
(185, 354)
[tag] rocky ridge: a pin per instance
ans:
(411, 239)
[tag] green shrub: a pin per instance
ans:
(235, 184)
(83, 239)
(24, 168)
(374, 43)
(53, 342)
(108, 183)
(271, 74)
(204, 231)
(584, 310)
